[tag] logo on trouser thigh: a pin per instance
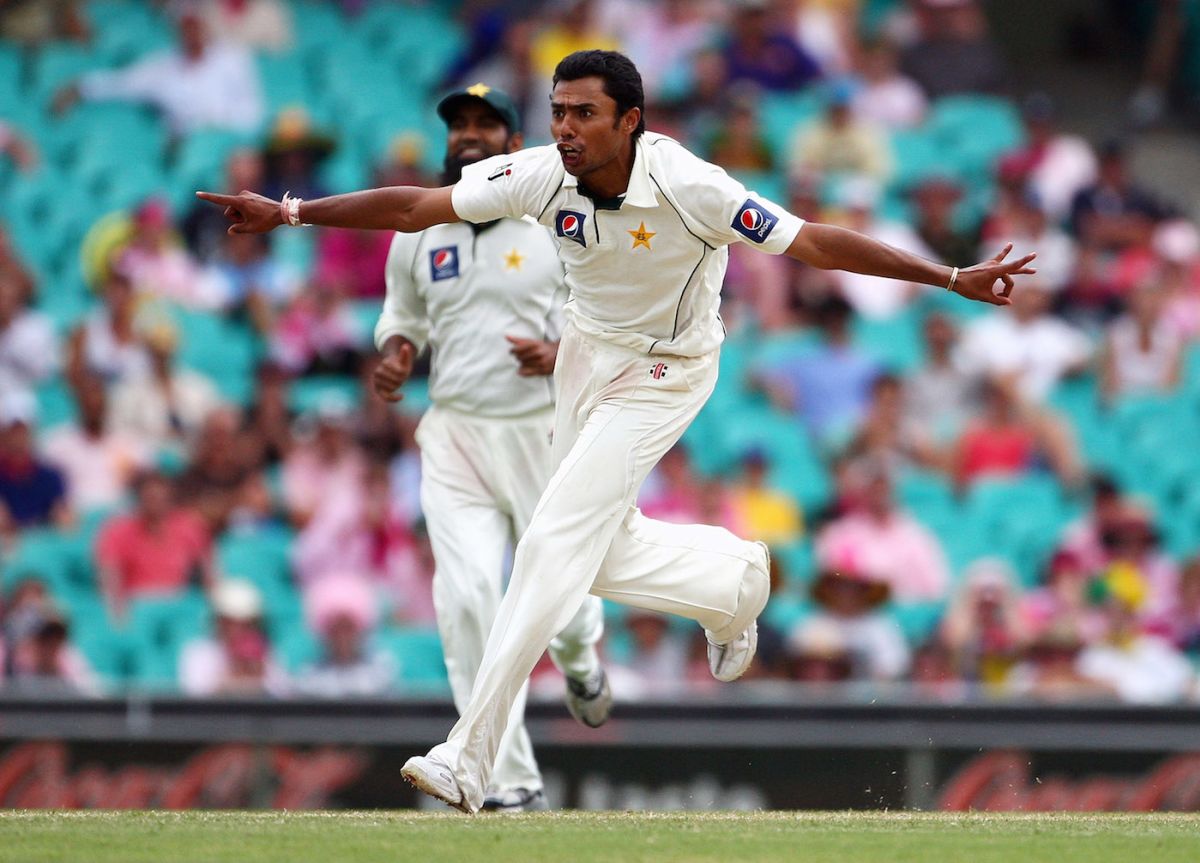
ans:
(658, 371)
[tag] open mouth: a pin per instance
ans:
(471, 154)
(570, 156)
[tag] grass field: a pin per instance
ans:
(765, 837)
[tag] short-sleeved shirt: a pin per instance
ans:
(644, 270)
(462, 288)
(146, 561)
(31, 495)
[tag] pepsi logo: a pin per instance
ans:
(443, 259)
(751, 219)
(570, 225)
(443, 263)
(754, 222)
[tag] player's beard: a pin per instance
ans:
(452, 166)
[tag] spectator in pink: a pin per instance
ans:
(324, 464)
(316, 334)
(1054, 165)
(237, 658)
(356, 527)
(886, 542)
(1084, 539)
(341, 609)
(1133, 557)
(849, 597)
(1064, 599)
(157, 263)
(673, 490)
(157, 549)
(97, 461)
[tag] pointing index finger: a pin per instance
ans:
(213, 197)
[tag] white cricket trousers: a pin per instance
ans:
(618, 411)
(480, 481)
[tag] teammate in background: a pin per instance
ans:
(488, 299)
(643, 227)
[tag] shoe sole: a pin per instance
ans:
(417, 780)
(749, 659)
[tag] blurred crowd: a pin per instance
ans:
(172, 485)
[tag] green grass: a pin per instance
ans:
(765, 837)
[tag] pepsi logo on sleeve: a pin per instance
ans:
(569, 225)
(443, 263)
(754, 222)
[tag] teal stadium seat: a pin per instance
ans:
(156, 628)
(418, 653)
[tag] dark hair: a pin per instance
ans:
(622, 81)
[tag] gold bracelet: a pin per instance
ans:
(953, 279)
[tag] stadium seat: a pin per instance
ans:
(418, 653)
(156, 628)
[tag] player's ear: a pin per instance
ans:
(516, 141)
(630, 121)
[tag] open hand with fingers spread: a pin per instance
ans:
(250, 212)
(535, 356)
(979, 282)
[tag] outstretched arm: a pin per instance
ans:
(832, 248)
(392, 208)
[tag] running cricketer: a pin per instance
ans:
(488, 300)
(643, 227)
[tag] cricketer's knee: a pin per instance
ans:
(754, 590)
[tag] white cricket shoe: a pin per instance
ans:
(515, 800)
(590, 702)
(435, 779)
(728, 662)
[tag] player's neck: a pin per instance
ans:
(612, 180)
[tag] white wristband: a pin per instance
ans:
(289, 208)
(953, 279)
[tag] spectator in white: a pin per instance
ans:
(106, 344)
(157, 262)
(886, 97)
(254, 24)
(662, 38)
(167, 406)
(18, 148)
(826, 31)
(885, 541)
(236, 659)
(658, 659)
(1025, 344)
(940, 395)
(198, 85)
(839, 143)
(1138, 667)
(817, 652)
(983, 627)
(29, 352)
(1023, 217)
(872, 296)
(1056, 166)
(97, 462)
(341, 609)
(850, 596)
(1142, 352)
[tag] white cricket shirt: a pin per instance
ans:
(645, 270)
(462, 289)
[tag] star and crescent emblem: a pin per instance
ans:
(480, 90)
(641, 237)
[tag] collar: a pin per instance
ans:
(478, 229)
(641, 190)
